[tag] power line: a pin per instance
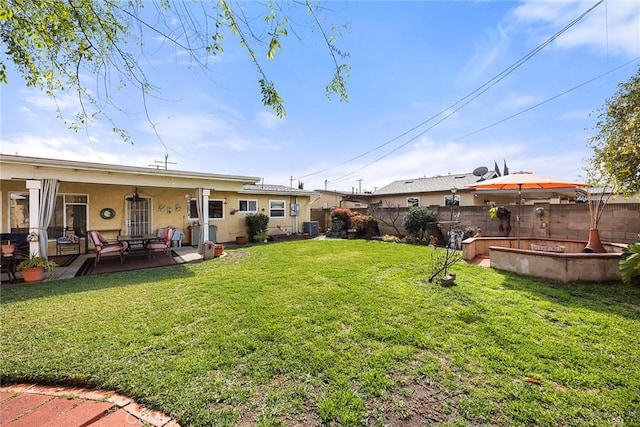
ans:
(459, 104)
(547, 100)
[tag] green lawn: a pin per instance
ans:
(335, 333)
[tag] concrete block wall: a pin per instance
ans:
(619, 222)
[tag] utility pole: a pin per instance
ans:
(325, 184)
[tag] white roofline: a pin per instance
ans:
(278, 192)
(133, 170)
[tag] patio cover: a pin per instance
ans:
(524, 181)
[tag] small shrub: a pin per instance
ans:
(358, 222)
(257, 224)
(417, 221)
(341, 214)
(346, 219)
(260, 237)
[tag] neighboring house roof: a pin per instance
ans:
(275, 189)
(333, 192)
(430, 184)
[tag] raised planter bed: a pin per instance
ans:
(547, 248)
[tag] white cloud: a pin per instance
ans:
(487, 51)
(203, 131)
(519, 100)
(268, 120)
(612, 28)
(425, 158)
(63, 101)
(63, 147)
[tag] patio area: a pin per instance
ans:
(70, 266)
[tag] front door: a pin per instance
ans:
(139, 216)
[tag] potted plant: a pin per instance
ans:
(34, 268)
(504, 216)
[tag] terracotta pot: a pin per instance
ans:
(241, 240)
(594, 245)
(217, 250)
(35, 274)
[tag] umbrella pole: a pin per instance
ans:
(519, 213)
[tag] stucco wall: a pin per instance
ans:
(561, 267)
(169, 207)
(234, 224)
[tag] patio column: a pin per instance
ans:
(34, 214)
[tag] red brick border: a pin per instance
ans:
(121, 407)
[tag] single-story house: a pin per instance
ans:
(440, 190)
(452, 189)
(125, 200)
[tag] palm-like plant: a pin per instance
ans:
(630, 262)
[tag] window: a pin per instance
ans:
(413, 202)
(75, 208)
(452, 200)
(70, 212)
(216, 209)
(248, 206)
(276, 208)
(19, 212)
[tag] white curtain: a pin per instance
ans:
(48, 196)
(201, 220)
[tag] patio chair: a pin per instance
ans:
(163, 243)
(103, 246)
(68, 242)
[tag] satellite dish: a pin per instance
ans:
(479, 171)
(488, 175)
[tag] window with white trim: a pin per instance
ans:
(19, 212)
(413, 202)
(277, 208)
(452, 200)
(248, 206)
(70, 212)
(216, 209)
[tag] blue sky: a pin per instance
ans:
(409, 61)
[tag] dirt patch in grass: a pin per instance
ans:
(236, 255)
(419, 403)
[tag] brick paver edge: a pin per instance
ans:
(125, 403)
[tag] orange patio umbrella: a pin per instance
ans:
(524, 181)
